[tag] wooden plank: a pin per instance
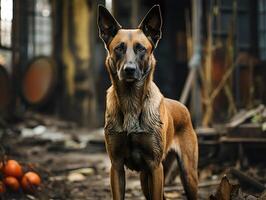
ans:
(206, 131)
(204, 184)
(248, 181)
(242, 140)
(250, 130)
(209, 143)
(188, 84)
(243, 117)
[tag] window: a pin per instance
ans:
(6, 16)
(225, 15)
(40, 28)
(262, 28)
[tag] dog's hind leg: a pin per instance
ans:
(187, 158)
(188, 177)
(170, 168)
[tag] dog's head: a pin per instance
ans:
(130, 51)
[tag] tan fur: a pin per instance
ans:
(169, 118)
(141, 125)
(130, 36)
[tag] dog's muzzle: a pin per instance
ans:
(130, 72)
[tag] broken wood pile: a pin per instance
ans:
(241, 137)
(239, 145)
(228, 191)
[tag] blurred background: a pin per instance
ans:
(53, 81)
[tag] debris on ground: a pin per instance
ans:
(72, 162)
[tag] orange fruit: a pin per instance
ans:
(30, 181)
(12, 168)
(12, 183)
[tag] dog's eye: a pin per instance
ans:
(140, 48)
(120, 48)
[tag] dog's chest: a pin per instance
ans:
(133, 132)
(143, 151)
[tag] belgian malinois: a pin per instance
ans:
(142, 126)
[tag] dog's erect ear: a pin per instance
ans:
(107, 25)
(151, 25)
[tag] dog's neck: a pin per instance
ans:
(131, 97)
(133, 108)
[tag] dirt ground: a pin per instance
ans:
(73, 163)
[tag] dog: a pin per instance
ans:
(141, 125)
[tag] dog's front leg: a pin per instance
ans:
(115, 141)
(157, 179)
(152, 183)
(118, 182)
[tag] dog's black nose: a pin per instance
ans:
(130, 69)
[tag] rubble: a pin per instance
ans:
(74, 165)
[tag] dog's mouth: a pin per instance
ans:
(130, 79)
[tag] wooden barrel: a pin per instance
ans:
(39, 81)
(5, 89)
